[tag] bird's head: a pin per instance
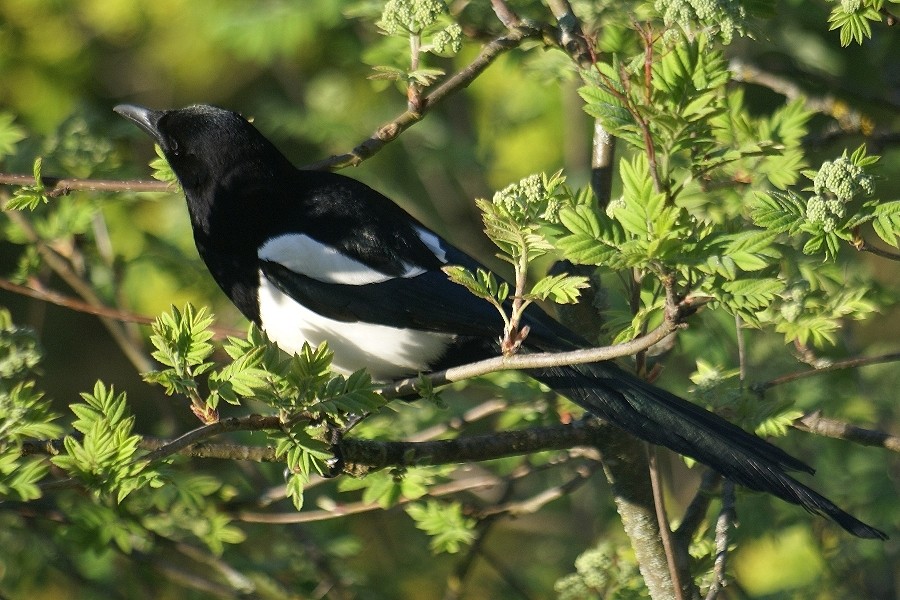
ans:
(202, 143)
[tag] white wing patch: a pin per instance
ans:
(430, 239)
(387, 352)
(302, 254)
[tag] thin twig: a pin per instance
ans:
(118, 314)
(665, 532)
(534, 503)
(849, 118)
(723, 528)
(457, 577)
(75, 304)
(695, 513)
(852, 363)
(461, 79)
(62, 267)
(864, 246)
(60, 186)
(355, 508)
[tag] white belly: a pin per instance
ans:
(387, 352)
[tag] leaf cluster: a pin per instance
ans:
(604, 571)
(25, 413)
(428, 28)
(445, 522)
(854, 18)
(306, 395)
(515, 221)
(105, 456)
(843, 200)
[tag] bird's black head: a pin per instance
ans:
(203, 143)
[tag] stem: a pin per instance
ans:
(665, 532)
(414, 91)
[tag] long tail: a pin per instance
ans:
(662, 418)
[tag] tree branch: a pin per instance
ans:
(852, 363)
(723, 527)
(815, 423)
(460, 80)
(864, 246)
(367, 454)
(38, 292)
(847, 117)
(60, 186)
(538, 360)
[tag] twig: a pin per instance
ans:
(538, 360)
(354, 508)
(509, 576)
(506, 15)
(62, 267)
(118, 314)
(60, 186)
(723, 527)
(665, 532)
(248, 423)
(457, 577)
(815, 423)
(461, 79)
(483, 410)
(852, 363)
(864, 246)
(695, 513)
(534, 503)
(75, 304)
(848, 118)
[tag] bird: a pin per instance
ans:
(313, 256)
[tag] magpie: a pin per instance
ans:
(314, 256)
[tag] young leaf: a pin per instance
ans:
(562, 288)
(445, 523)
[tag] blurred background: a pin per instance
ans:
(301, 71)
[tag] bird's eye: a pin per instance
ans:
(174, 147)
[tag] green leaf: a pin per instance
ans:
(887, 222)
(753, 293)
(161, 170)
(10, 134)
(104, 460)
(481, 283)
(449, 529)
(30, 196)
(562, 288)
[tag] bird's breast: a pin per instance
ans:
(387, 352)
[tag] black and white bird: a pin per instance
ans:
(314, 256)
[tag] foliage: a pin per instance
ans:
(747, 195)
(853, 18)
(449, 529)
(604, 571)
(513, 222)
(429, 29)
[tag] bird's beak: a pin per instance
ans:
(144, 118)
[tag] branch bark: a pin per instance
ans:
(672, 323)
